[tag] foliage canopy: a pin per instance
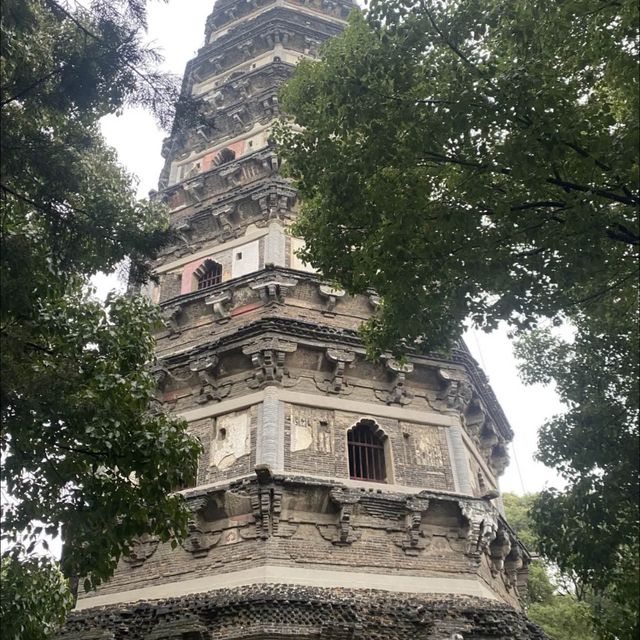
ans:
(84, 453)
(476, 162)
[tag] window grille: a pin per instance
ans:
(366, 454)
(211, 273)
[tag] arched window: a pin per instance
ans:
(208, 274)
(366, 452)
(226, 155)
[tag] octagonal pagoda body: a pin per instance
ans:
(336, 497)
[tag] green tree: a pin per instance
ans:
(84, 452)
(34, 597)
(477, 162)
(562, 612)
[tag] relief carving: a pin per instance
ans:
(424, 448)
(141, 550)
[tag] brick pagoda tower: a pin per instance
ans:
(336, 498)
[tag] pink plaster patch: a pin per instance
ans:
(186, 285)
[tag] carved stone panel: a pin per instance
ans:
(231, 440)
(311, 429)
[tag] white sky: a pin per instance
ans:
(177, 30)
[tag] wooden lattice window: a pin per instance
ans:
(366, 453)
(208, 274)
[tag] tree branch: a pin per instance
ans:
(32, 86)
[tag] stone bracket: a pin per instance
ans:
(268, 360)
(220, 305)
(345, 500)
(399, 394)
(456, 393)
(205, 369)
(331, 297)
(170, 316)
(482, 527)
(266, 503)
(272, 290)
(194, 189)
(342, 360)
(414, 542)
(141, 550)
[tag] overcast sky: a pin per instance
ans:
(177, 30)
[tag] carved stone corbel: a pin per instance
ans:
(268, 360)
(220, 304)
(414, 541)
(488, 439)
(331, 297)
(341, 359)
(482, 526)
(456, 393)
(141, 550)
(345, 500)
(399, 394)
(205, 369)
(194, 189)
(223, 216)
(183, 230)
(272, 290)
(475, 418)
(499, 549)
(161, 375)
(499, 459)
(170, 316)
(513, 564)
(232, 173)
(198, 542)
(269, 160)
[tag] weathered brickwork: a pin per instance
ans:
(320, 468)
(276, 612)
(297, 522)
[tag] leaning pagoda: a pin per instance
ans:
(337, 498)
